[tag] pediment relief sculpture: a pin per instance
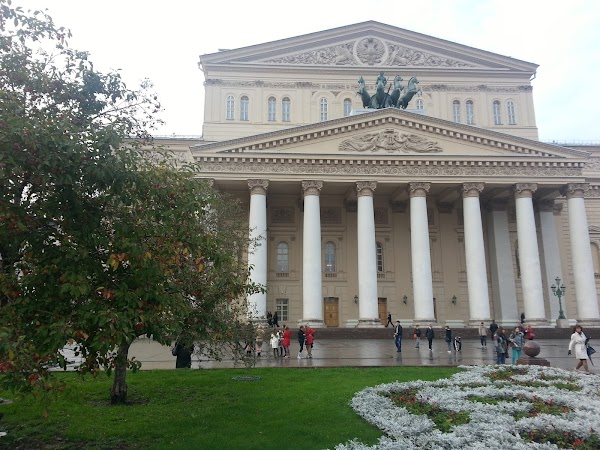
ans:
(369, 51)
(391, 141)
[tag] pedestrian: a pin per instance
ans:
(275, 320)
(457, 344)
(389, 322)
(578, 343)
(301, 339)
(448, 338)
(309, 335)
(516, 340)
(429, 334)
(501, 346)
(529, 335)
(398, 336)
(493, 328)
(270, 318)
(287, 337)
(482, 335)
(417, 336)
(183, 351)
(275, 343)
(260, 333)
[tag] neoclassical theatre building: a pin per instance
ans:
(450, 211)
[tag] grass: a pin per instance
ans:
(205, 409)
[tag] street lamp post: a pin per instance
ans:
(559, 290)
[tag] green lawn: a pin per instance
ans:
(205, 409)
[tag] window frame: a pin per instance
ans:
(497, 112)
(329, 258)
(286, 111)
(347, 107)
(283, 257)
(323, 109)
(470, 111)
(379, 257)
(271, 109)
(511, 112)
(229, 107)
(282, 306)
(244, 108)
(456, 111)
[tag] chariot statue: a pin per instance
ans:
(398, 98)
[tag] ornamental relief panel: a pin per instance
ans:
(282, 215)
(391, 141)
(369, 51)
(407, 170)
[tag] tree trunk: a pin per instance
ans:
(118, 392)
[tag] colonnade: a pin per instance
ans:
(502, 272)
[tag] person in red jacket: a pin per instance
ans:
(309, 334)
(287, 337)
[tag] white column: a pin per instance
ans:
(529, 257)
(477, 283)
(551, 255)
(368, 313)
(583, 267)
(501, 265)
(420, 253)
(312, 293)
(257, 251)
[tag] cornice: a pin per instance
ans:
(427, 124)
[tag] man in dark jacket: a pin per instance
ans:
(429, 334)
(493, 328)
(398, 336)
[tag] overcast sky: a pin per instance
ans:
(162, 40)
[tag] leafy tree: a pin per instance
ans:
(102, 237)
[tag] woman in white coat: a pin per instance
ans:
(578, 341)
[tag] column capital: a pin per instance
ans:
(472, 189)
(575, 190)
(525, 190)
(365, 188)
(258, 187)
(312, 187)
(419, 189)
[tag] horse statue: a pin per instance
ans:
(381, 99)
(411, 90)
(398, 88)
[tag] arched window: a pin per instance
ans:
(420, 105)
(283, 264)
(456, 111)
(379, 257)
(286, 109)
(323, 109)
(470, 112)
(244, 106)
(496, 111)
(510, 109)
(229, 107)
(330, 257)
(347, 107)
(271, 109)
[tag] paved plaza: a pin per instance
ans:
(362, 353)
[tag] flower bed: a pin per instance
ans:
(491, 407)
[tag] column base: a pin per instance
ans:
(314, 323)
(562, 323)
(589, 323)
(352, 323)
(540, 323)
(369, 323)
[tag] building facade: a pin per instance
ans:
(448, 212)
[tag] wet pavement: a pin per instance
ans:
(361, 353)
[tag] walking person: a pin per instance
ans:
(493, 328)
(275, 320)
(457, 344)
(448, 338)
(287, 337)
(429, 334)
(516, 340)
(260, 333)
(578, 344)
(301, 340)
(417, 336)
(389, 322)
(482, 335)
(398, 336)
(501, 347)
(310, 339)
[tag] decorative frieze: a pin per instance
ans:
(419, 189)
(391, 141)
(576, 190)
(478, 88)
(525, 190)
(365, 188)
(312, 187)
(472, 189)
(258, 187)
(331, 216)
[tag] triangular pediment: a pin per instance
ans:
(390, 133)
(367, 44)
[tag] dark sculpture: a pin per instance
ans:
(383, 99)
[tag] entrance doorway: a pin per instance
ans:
(331, 311)
(383, 310)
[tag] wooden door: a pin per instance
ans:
(331, 312)
(383, 311)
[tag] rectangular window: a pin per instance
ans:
(282, 309)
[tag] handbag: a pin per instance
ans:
(590, 350)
